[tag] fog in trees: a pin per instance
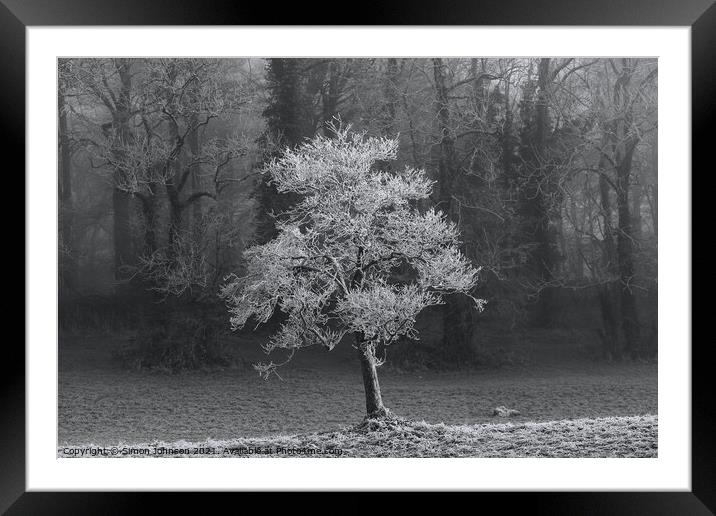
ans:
(352, 202)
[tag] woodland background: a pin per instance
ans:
(548, 166)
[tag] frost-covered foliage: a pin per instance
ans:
(331, 268)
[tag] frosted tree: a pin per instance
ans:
(331, 269)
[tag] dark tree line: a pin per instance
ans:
(548, 166)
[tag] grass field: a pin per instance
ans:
(631, 436)
(321, 395)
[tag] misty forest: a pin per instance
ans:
(382, 257)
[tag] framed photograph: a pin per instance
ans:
(418, 252)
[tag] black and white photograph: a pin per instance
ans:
(416, 247)
(382, 257)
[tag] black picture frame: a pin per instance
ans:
(700, 15)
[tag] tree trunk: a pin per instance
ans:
(507, 179)
(608, 303)
(174, 188)
(373, 401)
(457, 311)
(545, 235)
(330, 96)
(625, 253)
(625, 139)
(175, 218)
(196, 208)
(390, 94)
(608, 295)
(507, 146)
(537, 196)
(577, 267)
(654, 198)
(124, 252)
(480, 94)
(149, 209)
(65, 196)
(637, 196)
